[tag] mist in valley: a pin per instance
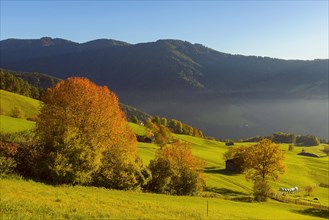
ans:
(237, 118)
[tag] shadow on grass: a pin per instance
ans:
(225, 191)
(156, 148)
(315, 212)
(214, 170)
(247, 199)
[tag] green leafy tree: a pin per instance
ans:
(188, 130)
(179, 127)
(157, 120)
(164, 122)
(163, 136)
(134, 119)
(172, 124)
(176, 126)
(308, 140)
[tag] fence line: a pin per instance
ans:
(281, 198)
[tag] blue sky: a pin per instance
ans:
(281, 29)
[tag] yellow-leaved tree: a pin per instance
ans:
(263, 162)
(85, 137)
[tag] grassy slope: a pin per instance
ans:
(9, 100)
(139, 130)
(10, 125)
(36, 200)
(301, 171)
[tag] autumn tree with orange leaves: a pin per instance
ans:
(176, 171)
(263, 162)
(85, 137)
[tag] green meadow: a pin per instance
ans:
(8, 101)
(301, 171)
(22, 199)
(9, 124)
(26, 199)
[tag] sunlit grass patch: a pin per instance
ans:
(10, 125)
(9, 101)
(28, 199)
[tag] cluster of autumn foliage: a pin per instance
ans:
(176, 171)
(173, 125)
(261, 162)
(82, 137)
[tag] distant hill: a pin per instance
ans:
(178, 79)
(42, 81)
(131, 111)
(173, 65)
(39, 80)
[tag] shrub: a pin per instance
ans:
(210, 138)
(291, 147)
(17, 112)
(26, 154)
(17, 137)
(31, 161)
(326, 150)
(33, 118)
(261, 190)
(7, 161)
(121, 171)
(308, 140)
(308, 190)
(7, 165)
(176, 171)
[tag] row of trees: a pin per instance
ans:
(281, 137)
(174, 126)
(181, 128)
(82, 137)
(11, 83)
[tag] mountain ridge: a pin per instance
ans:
(186, 65)
(175, 78)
